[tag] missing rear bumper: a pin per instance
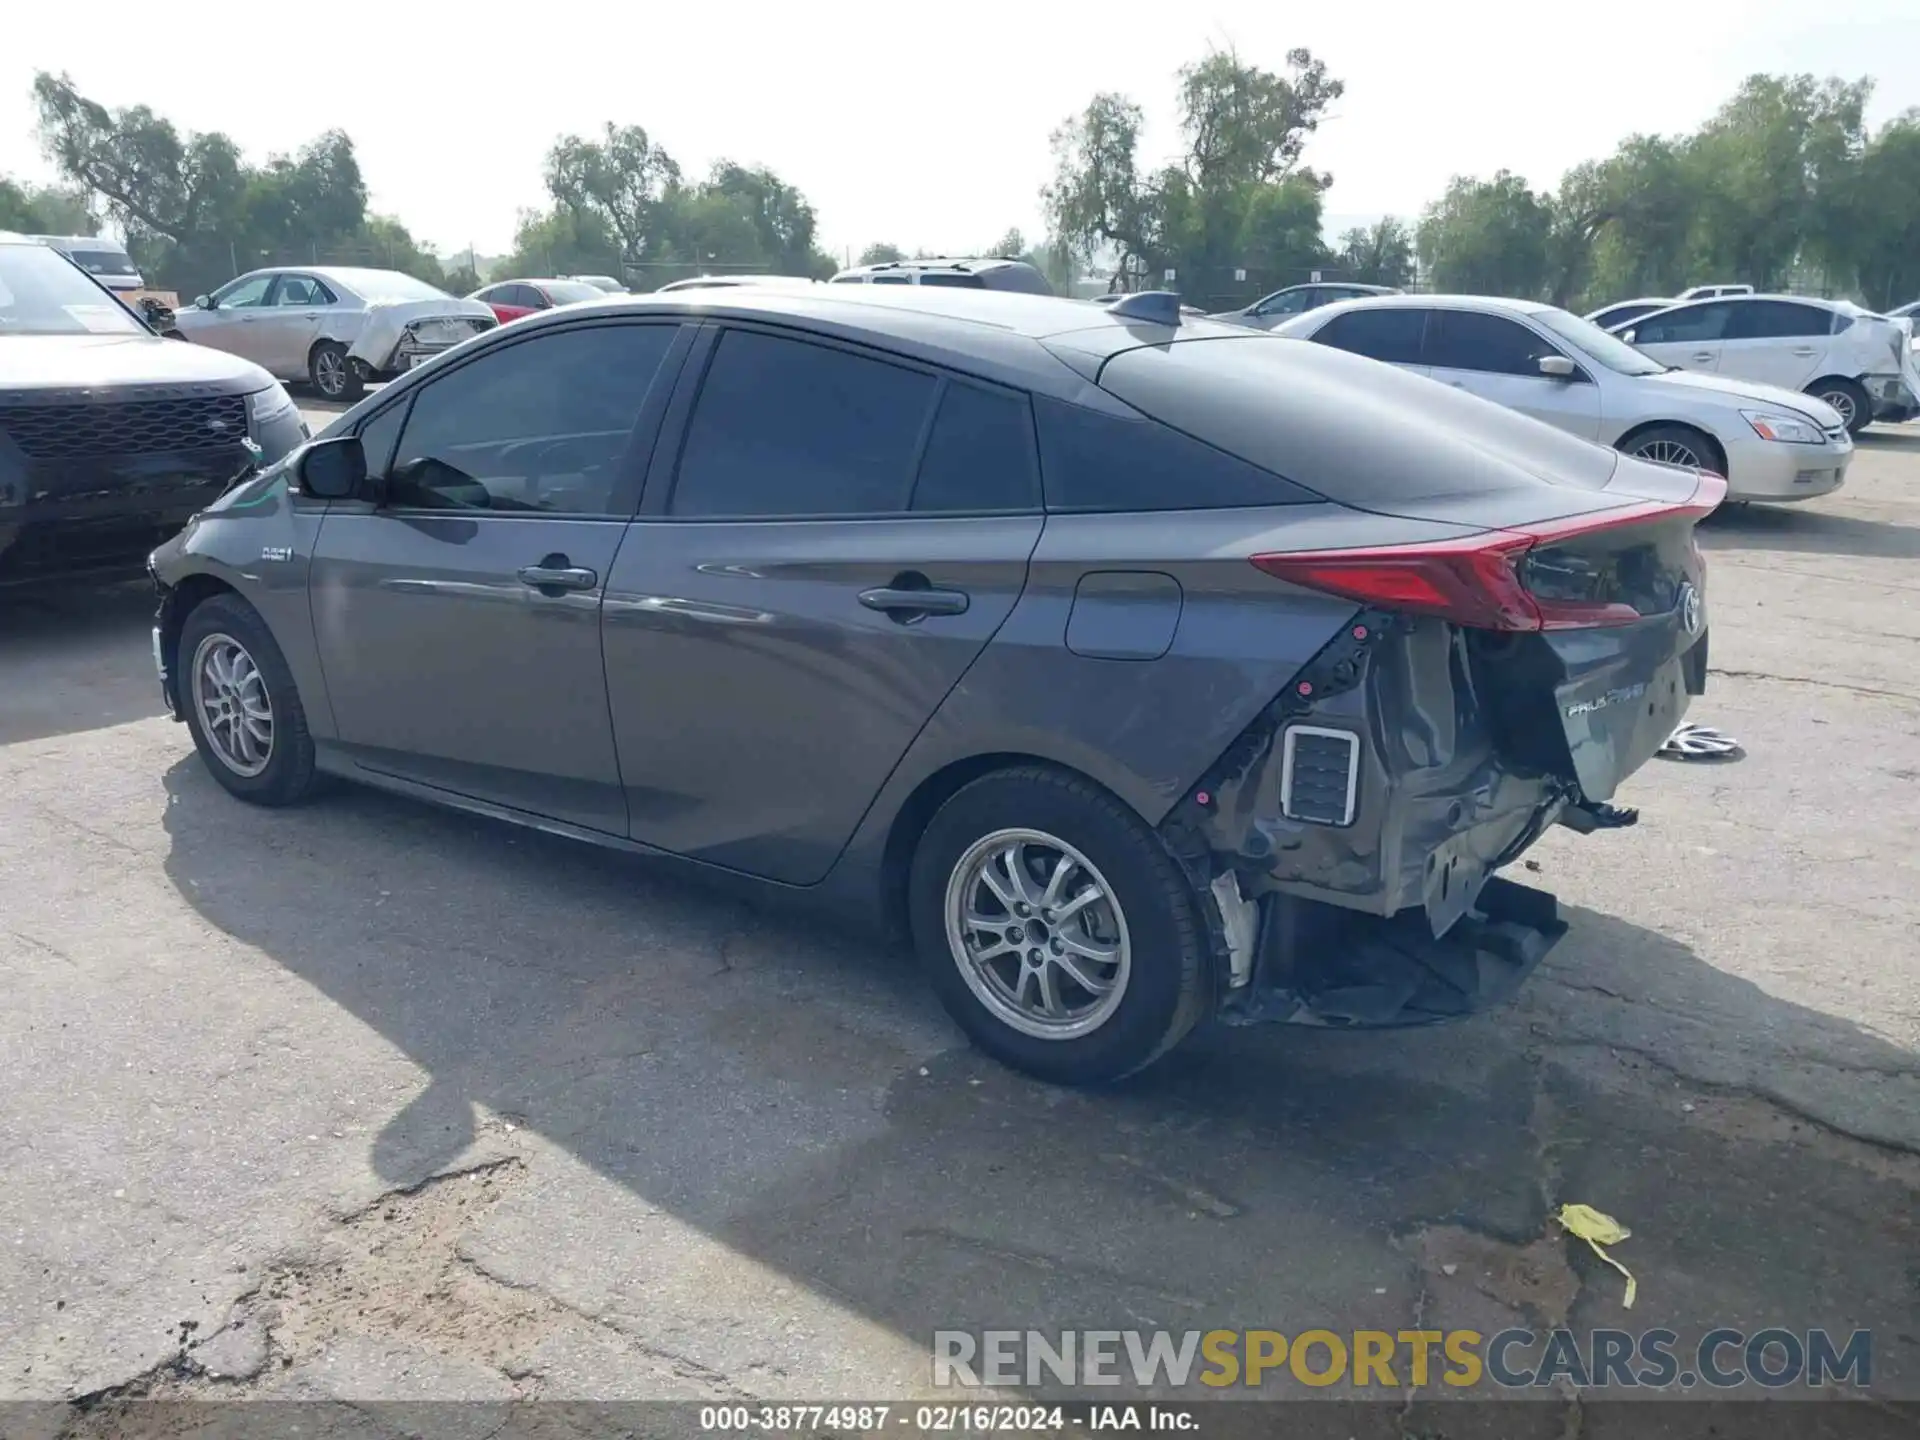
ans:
(1321, 965)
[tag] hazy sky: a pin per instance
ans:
(923, 125)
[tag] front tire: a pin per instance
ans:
(1056, 929)
(241, 704)
(1847, 397)
(333, 373)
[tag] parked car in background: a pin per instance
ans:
(110, 437)
(1282, 305)
(1623, 312)
(727, 282)
(1061, 638)
(600, 282)
(1849, 358)
(1708, 292)
(1770, 444)
(991, 273)
(1115, 298)
(1908, 311)
(336, 328)
(106, 260)
(512, 299)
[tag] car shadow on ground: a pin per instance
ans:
(795, 1095)
(1809, 530)
(75, 658)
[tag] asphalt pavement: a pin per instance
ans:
(370, 1101)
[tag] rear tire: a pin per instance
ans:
(1674, 445)
(1849, 398)
(333, 373)
(1012, 978)
(241, 705)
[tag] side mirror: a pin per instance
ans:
(1557, 367)
(1627, 335)
(334, 469)
(201, 302)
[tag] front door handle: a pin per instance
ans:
(555, 574)
(1805, 352)
(1701, 359)
(910, 597)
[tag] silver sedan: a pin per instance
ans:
(1770, 444)
(335, 327)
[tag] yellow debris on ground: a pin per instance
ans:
(1597, 1230)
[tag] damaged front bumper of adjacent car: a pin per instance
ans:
(1347, 841)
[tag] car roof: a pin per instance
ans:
(1042, 342)
(1446, 302)
(967, 263)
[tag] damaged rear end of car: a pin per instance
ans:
(1526, 635)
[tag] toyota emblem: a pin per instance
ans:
(1690, 608)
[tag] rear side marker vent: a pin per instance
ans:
(1319, 775)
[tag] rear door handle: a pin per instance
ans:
(1701, 359)
(907, 603)
(554, 573)
(1805, 351)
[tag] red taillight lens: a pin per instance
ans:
(1476, 580)
(1471, 582)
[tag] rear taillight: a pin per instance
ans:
(1476, 580)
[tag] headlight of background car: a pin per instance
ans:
(268, 405)
(1790, 429)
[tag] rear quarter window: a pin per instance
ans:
(1095, 462)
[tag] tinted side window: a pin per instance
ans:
(980, 454)
(891, 280)
(1777, 319)
(538, 428)
(958, 282)
(1492, 344)
(1289, 302)
(1392, 335)
(1096, 462)
(1694, 323)
(784, 427)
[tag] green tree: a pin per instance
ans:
(45, 210)
(881, 254)
(1883, 251)
(1238, 195)
(1378, 254)
(1487, 237)
(194, 210)
(623, 180)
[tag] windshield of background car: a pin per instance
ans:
(1604, 349)
(567, 292)
(42, 294)
(390, 285)
(103, 262)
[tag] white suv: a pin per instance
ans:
(1857, 362)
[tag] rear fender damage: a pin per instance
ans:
(1393, 917)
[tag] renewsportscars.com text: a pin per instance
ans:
(1392, 1360)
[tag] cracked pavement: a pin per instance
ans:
(370, 1102)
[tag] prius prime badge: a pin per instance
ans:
(1690, 608)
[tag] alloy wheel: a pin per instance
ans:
(330, 373)
(230, 700)
(1841, 401)
(1038, 934)
(1669, 452)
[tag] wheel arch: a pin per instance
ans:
(182, 599)
(910, 820)
(1718, 451)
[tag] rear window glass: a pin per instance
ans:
(1097, 462)
(784, 427)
